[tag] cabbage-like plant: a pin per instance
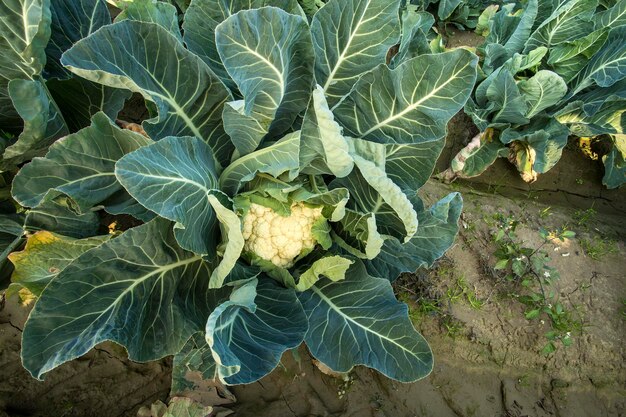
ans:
(276, 182)
(550, 71)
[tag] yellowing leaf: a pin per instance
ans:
(44, 256)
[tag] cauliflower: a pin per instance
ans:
(277, 238)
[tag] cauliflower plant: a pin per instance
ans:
(280, 239)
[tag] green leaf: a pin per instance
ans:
(160, 13)
(71, 21)
(372, 192)
(44, 257)
(54, 216)
(446, 7)
(351, 37)
(176, 179)
(268, 53)
(139, 290)
(437, 230)
(249, 333)
(323, 149)
(358, 234)
(188, 96)
(333, 201)
(407, 165)
(387, 194)
(571, 20)
(332, 267)
(24, 33)
(482, 26)
(607, 66)
(43, 122)
(509, 103)
(277, 159)
(501, 264)
(79, 100)
(411, 103)
(613, 17)
(568, 58)
(541, 91)
(230, 224)
(615, 163)
(203, 16)
(532, 314)
(81, 166)
(414, 42)
(368, 328)
(515, 43)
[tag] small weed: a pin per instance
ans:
(545, 212)
(597, 247)
(461, 290)
(579, 181)
(582, 218)
(529, 267)
(453, 327)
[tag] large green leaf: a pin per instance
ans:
(139, 290)
(613, 17)
(269, 55)
(81, 166)
(389, 194)
(79, 100)
(71, 21)
(323, 149)
(44, 257)
(249, 333)
(607, 117)
(446, 7)
(24, 33)
(415, 26)
(277, 159)
(370, 327)
(568, 58)
(43, 122)
(515, 43)
(55, 216)
(541, 91)
(509, 104)
(188, 96)
(411, 103)
(371, 191)
(161, 13)
(358, 234)
(176, 178)
(332, 267)
(202, 18)
(607, 66)
(408, 165)
(615, 163)
(351, 37)
(437, 230)
(571, 20)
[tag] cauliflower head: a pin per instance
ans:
(277, 238)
